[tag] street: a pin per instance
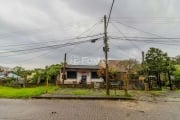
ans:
(33, 109)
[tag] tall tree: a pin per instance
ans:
(178, 59)
(156, 62)
(53, 71)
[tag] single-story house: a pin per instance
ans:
(5, 75)
(80, 74)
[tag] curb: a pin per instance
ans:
(83, 98)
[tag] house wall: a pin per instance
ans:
(78, 79)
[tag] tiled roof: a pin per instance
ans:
(119, 65)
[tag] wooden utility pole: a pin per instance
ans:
(170, 82)
(106, 49)
(126, 83)
(47, 82)
(64, 74)
(143, 60)
(126, 86)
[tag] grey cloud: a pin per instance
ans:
(27, 21)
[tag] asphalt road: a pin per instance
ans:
(32, 109)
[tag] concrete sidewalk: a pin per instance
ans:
(83, 97)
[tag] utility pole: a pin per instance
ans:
(143, 60)
(106, 49)
(47, 81)
(170, 82)
(64, 74)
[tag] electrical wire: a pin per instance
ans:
(146, 41)
(51, 41)
(131, 42)
(110, 13)
(122, 53)
(132, 27)
(51, 46)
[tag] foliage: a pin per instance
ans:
(51, 71)
(18, 70)
(177, 59)
(102, 73)
(38, 73)
(9, 92)
(134, 76)
(176, 73)
(158, 62)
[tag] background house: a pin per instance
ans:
(125, 68)
(80, 74)
(118, 66)
(16, 79)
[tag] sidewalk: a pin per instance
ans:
(90, 94)
(170, 96)
(82, 97)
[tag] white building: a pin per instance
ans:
(77, 74)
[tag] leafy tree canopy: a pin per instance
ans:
(157, 61)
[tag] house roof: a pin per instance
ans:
(118, 65)
(83, 67)
(8, 74)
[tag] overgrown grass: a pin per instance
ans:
(102, 92)
(9, 92)
(158, 92)
(90, 92)
(178, 90)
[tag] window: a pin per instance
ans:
(71, 74)
(94, 75)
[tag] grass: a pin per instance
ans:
(90, 92)
(157, 92)
(178, 90)
(9, 92)
(102, 92)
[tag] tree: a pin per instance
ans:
(156, 62)
(177, 59)
(19, 70)
(53, 71)
(102, 73)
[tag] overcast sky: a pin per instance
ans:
(27, 24)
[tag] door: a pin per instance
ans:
(83, 79)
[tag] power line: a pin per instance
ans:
(94, 25)
(134, 45)
(146, 41)
(153, 20)
(52, 41)
(110, 14)
(78, 37)
(153, 37)
(51, 46)
(25, 32)
(166, 41)
(46, 53)
(132, 27)
(122, 53)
